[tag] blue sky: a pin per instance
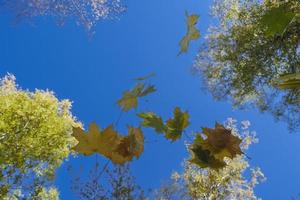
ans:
(94, 73)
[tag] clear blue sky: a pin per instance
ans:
(94, 73)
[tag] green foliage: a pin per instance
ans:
(129, 99)
(239, 62)
(276, 20)
(119, 149)
(173, 128)
(35, 138)
(192, 32)
(228, 182)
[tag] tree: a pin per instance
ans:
(35, 138)
(210, 184)
(112, 182)
(242, 58)
(86, 13)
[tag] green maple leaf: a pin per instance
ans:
(129, 99)
(276, 20)
(202, 157)
(192, 32)
(151, 120)
(172, 129)
(288, 81)
(177, 124)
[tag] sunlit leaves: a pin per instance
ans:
(276, 20)
(35, 138)
(218, 144)
(119, 149)
(129, 99)
(192, 32)
(172, 129)
(288, 81)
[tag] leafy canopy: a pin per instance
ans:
(86, 13)
(247, 50)
(35, 138)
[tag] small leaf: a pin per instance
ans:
(192, 32)
(145, 77)
(151, 120)
(129, 99)
(176, 125)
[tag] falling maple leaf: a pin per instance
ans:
(192, 32)
(129, 99)
(173, 128)
(288, 81)
(131, 145)
(177, 124)
(221, 142)
(151, 120)
(119, 149)
(276, 20)
(218, 144)
(202, 157)
(145, 77)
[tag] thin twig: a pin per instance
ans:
(104, 168)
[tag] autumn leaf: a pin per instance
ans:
(145, 77)
(87, 142)
(172, 129)
(94, 141)
(177, 124)
(276, 20)
(119, 149)
(288, 81)
(221, 142)
(129, 99)
(202, 157)
(192, 32)
(130, 146)
(151, 120)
